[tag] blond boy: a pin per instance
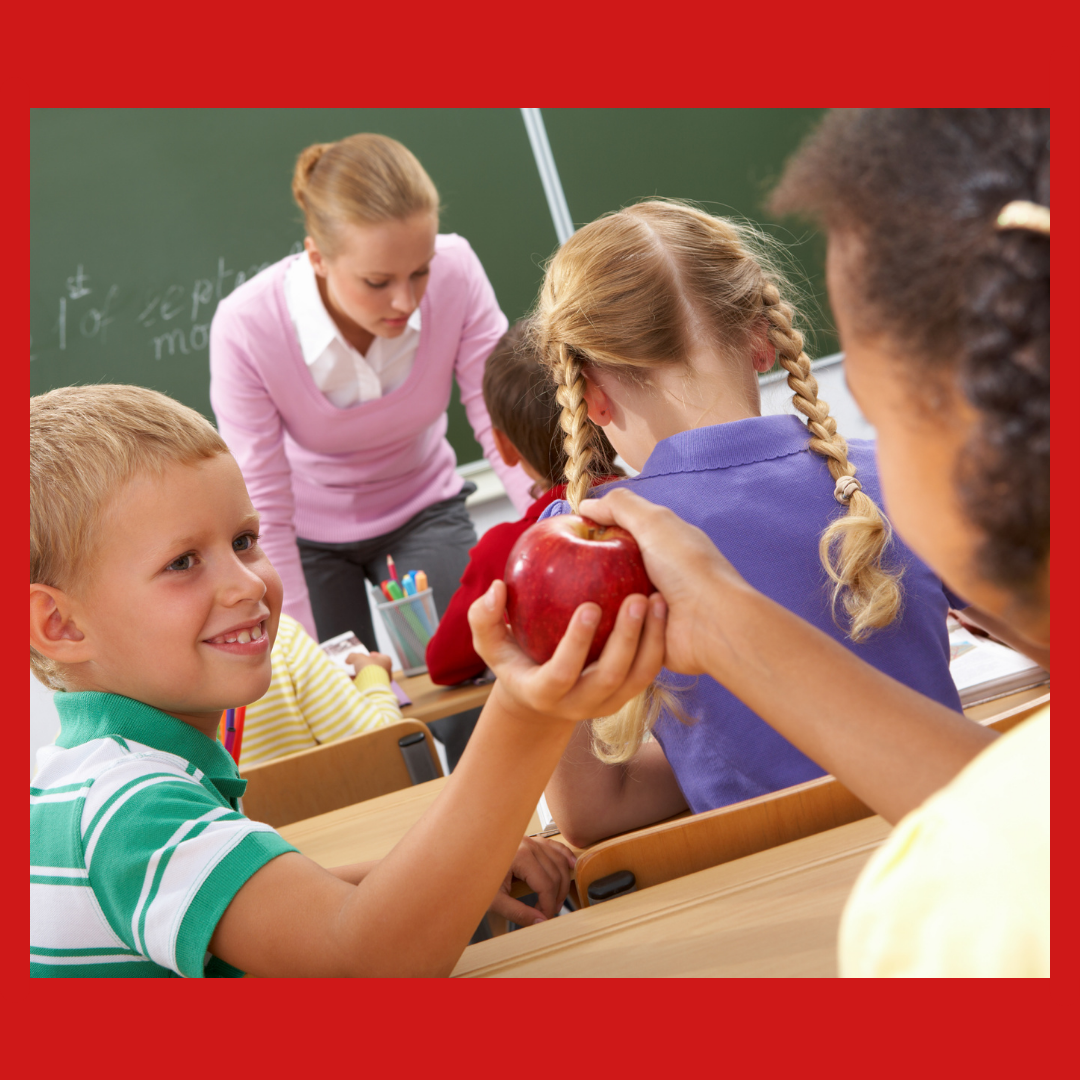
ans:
(152, 608)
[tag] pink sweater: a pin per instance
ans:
(338, 475)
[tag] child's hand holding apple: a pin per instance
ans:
(631, 658)
(557, 565)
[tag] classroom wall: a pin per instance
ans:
(142, 220)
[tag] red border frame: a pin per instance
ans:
(490, 54)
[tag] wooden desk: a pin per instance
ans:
(775, 913)
(368, 830)
(1001, 711)
(433, 702)
(364, 831)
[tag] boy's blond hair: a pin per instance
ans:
(85, 443)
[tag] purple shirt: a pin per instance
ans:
(764, 499)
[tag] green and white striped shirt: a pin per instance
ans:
(137, 845)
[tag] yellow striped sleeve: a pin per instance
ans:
(275, 724)
(371, 675)
(332, 706)
(310, 701)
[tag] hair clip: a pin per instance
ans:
(846, 486)
(1021, 214)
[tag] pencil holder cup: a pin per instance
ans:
(410, 622)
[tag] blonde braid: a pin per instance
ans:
(851, 548)
(580, 442)
(616, 738)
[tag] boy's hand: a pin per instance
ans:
(544, 866)
(361, 660)
(632, 657)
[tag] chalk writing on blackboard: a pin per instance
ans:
(176, 315)
(76, 284)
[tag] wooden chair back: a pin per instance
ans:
(685, 845)
(331, 776)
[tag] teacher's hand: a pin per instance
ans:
(632, 657)
(697, 582)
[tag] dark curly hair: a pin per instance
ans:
(967, 303)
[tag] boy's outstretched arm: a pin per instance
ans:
(543, 865)
(414, 913)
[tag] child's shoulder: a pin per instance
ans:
(108, 760)
(493, 548)
(555, 509)
(289, 633)
(599, 489)
(80, 790)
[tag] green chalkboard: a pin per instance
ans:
(726, 160)
(143, 219)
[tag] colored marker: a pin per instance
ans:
(384, 585)
(422, 631)
(394, 589)
(409, 581)
(421, 581)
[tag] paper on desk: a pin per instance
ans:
(339, 648)
(978, 660)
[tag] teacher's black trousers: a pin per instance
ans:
(437, 540)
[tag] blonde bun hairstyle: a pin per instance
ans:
(639, 289)
(362, 180)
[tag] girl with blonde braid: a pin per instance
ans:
(655, 322)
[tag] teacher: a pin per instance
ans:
(330, 377)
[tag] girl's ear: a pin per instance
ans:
(53, 630)
(764, 358)
(764, 354)
(599, 403)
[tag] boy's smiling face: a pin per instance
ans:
(179, 572)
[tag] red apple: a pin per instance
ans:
(562, 562)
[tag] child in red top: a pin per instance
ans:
(520, 399)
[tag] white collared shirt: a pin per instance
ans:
(344, 375)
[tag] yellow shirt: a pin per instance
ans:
(962, 885)
(310, 701)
